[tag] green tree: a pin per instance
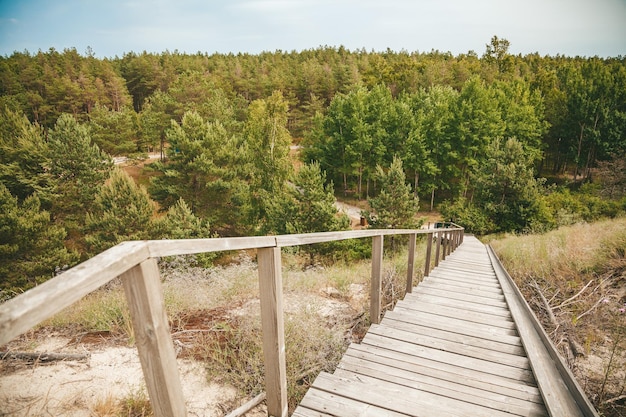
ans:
(31, 245)
(396, 206)
(115, 132)
(77, 169)
(23, 154)
(268, 141)
(308, 207)
(209, 169)
(122, 210)
(507, 190)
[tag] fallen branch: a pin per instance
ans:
(247, 406)
(569, 300)
(546, 305)
(44, 357)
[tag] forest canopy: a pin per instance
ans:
(496, 142)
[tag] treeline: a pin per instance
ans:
(472, 136)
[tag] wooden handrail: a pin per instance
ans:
(135, 263)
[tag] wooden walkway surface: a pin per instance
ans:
(450, 348)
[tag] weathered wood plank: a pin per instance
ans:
(507, 371)
(273, 329)
(483, 331)
(353, 366)
(376, 280)
(396, 334)
(411, 263)
(451, 302)
(400, 399)
(474, 291)
(463, 297)
(142, 286)
(460, 314)
(480, 342)
(446, 372)
(42, 302)
(328, 403)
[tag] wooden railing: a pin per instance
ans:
(136, 263)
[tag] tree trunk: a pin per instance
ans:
(432, 199)
(580, 145)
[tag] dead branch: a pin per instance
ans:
(247, 406)
(591, 309)
(546, 305)
(43, 356)
(571, 299)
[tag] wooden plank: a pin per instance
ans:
(424, 289)
(483, 331)
(310, 238)
(352, 366)
(562, 394)
(159, 248)
(400, 399)
(397, 334)
(273, 328)
(455, 337)
(307, 412)
(45, 300)
(455, 278)
(445, 372)
(329, 403)
(429, 250)
(459, 314)
(142, 286)
(411, 263)
(507, 371)
(376, 283)
(466, 287)
(474, 292)
(451, 302)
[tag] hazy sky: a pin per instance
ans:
(114, 27)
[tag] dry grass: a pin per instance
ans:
(575, 280)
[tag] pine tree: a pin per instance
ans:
(122, 211)
(31, 246)
(77, 169)
(23, 153)
(395, 207)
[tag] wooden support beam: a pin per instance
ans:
(429, 249)
(438, 249)
(376, 284)
(411, 265)
(142, 285)
(273, 327)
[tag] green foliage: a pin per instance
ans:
(463, 212)
(122, 211)
(209, 169)
(395, 207)
(115, 132)
(23, 154)
(77, 168)
(31, 246)
(309, 205)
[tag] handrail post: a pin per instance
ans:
(438, 249)
(273, 329)
(429, 249)
(376, 284)
(411, 265)
(142, 286)
(445, 242)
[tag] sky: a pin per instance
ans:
(114, 27)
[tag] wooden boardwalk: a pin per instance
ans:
(450, 348)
